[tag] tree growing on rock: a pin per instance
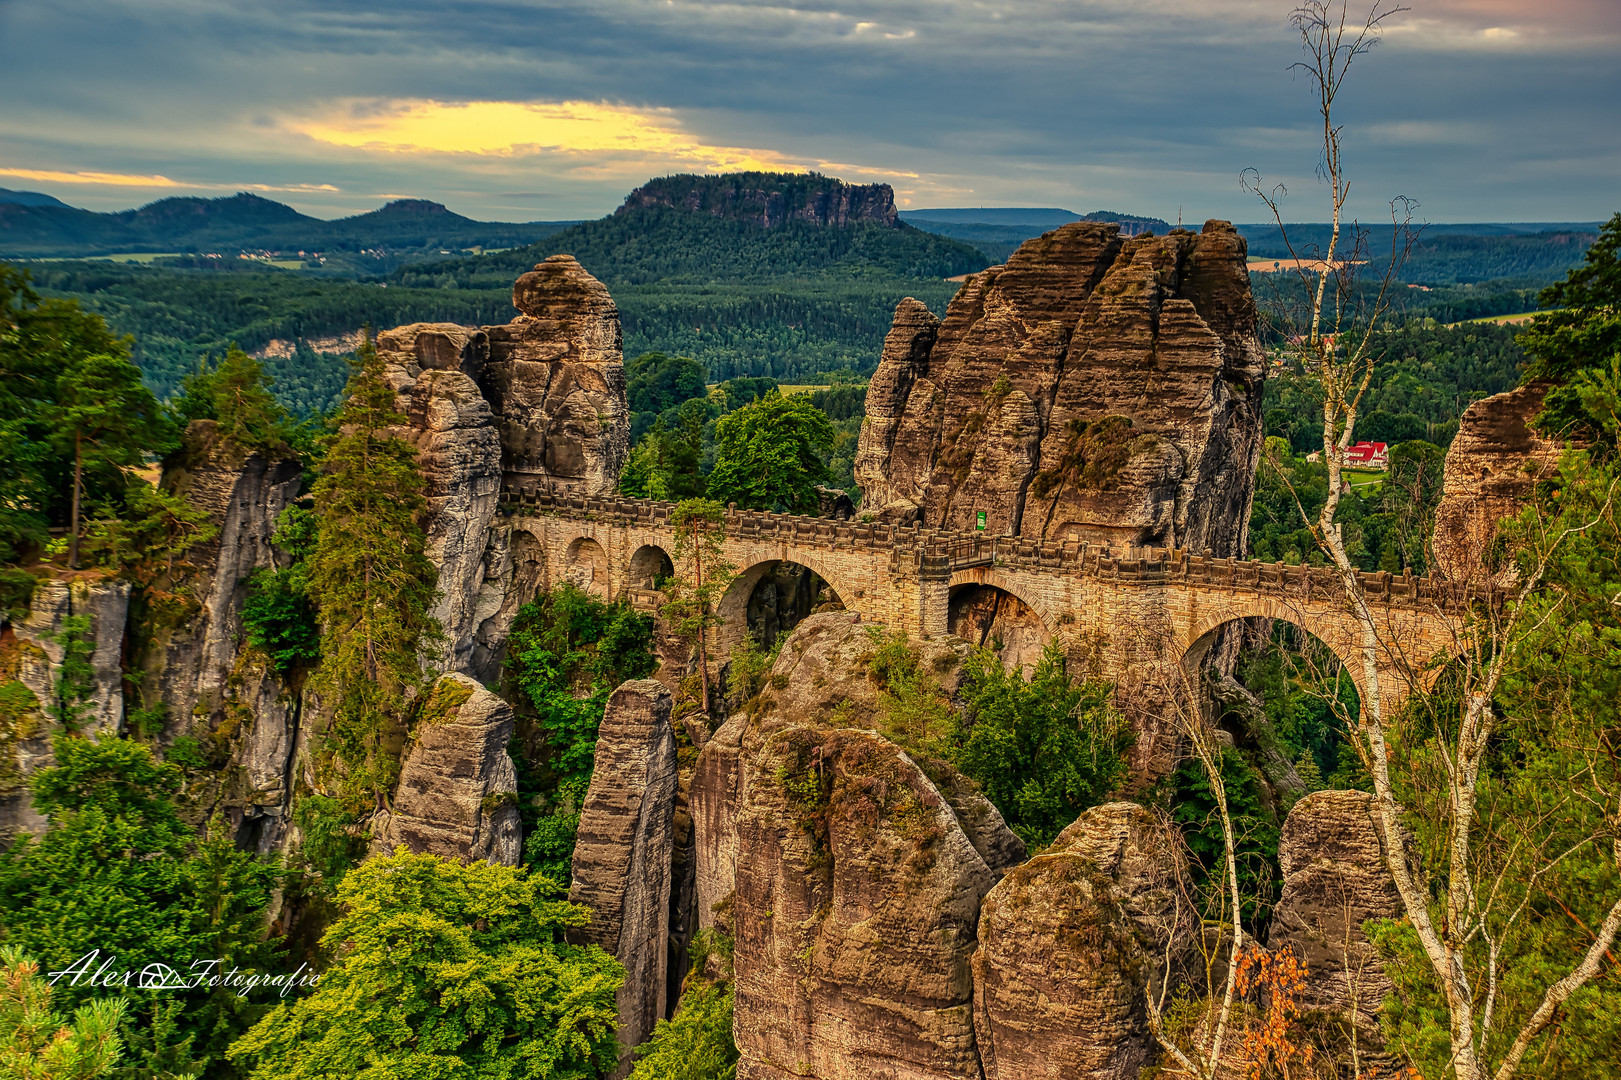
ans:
(702, 575)
(372, 582)
(1504, 772)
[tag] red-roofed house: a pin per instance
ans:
(1368, 455)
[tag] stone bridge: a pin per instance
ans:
(1121, 613)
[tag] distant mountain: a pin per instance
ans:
(247, 223)
(29, 198)
(1448, 254)
(768, 199)
(999, 230)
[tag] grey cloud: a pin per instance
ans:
(1139, 106)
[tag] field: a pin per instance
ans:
(1506, 320)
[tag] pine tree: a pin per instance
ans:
(372, 583)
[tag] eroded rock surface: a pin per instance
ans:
(622, 854)
(856, 898)
(1070, 943)
(1334, 879)
(197, 670)
(435, 367)
(555, 381)
(1094, 388)
(1491, 467)
(31, 655)
(457, 795)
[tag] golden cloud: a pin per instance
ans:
(109, 179)
(582, 129)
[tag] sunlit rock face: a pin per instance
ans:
(1491, 467)
(555, 380)
(1095, 388)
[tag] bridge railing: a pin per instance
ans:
(956, 551)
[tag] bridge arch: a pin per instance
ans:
(744, 601)
(982, 603)
(649, 564)
(585, 564)
(1336, 635)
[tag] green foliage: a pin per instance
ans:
(695, 1044)
(1306, 696)
(1429, 376)
(118, 871)
(16, 593)
(772, 454)
(1584, 333)
(236, 393)
(331, 842)
(279, 619)
(1255, 829)
(147, 541)
(372, 583)
(666, 463)
(75, 675)
(36, 1043)
(655, 382)
(445, 970)
(1386, 523)
(1043, 749)
(566, 653)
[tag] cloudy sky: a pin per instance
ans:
(1482, 110)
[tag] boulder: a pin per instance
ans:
(1095, 388)
(1071, 943)
(857, 893)
(1491, 467)
(822, 677)
(555, 381)
(623, 850)
(458, 789)
(1335, 878)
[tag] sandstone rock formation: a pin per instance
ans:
(822, 676)
(1093, 389)
(1491, 466)
(435, 367)
(194, 670)
(1334, 879)
(856, 898)
(1070, 943)
(769, 199)
(555, 380)
(458, 789)
(622, 854)
(31, 654)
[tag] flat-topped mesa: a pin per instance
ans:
(1095, 388)
(770, 199)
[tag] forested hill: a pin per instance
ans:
(246, 223)
(717, 275)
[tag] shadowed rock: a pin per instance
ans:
(622, 854)
(457, 795)
(1070, 943)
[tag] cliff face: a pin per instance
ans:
(1492, 465)
(769, 199)
(1094, 388)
